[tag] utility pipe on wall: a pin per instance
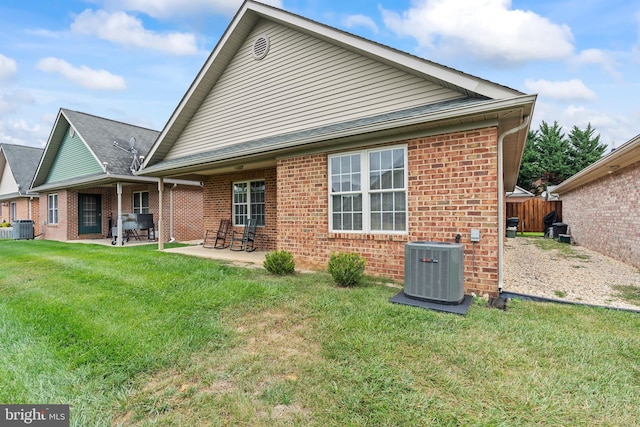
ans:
(501, 218)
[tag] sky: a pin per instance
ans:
(133, 60)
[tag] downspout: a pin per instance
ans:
(160, 219)
(171, 236)
(501, 218)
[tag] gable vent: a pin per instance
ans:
(260, 47)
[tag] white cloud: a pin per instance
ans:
(486, 29)
(118, 27)
(8, 67)
(569, 90)
(13, 101)
(169, 8)
(598, 57)
(21, 133)
(83, 75)
(360, 21)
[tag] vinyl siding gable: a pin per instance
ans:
(73, 160)
(8, 183)
(302, 83)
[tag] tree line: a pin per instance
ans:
(551, 157)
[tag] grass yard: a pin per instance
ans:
(129, 336)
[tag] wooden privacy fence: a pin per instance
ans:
(532, 212)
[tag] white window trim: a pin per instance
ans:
(50, 209)
(138, 194)
(366, 191)
(248, 204)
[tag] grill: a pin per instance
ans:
(131, 224)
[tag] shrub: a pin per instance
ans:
(346, 268)
(279, 262)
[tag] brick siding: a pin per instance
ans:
(218, 203)
(187, 211)
(452, 189)
(603, 215)
(22, 210)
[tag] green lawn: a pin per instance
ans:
(129, 336)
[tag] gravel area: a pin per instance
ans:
(585, 276)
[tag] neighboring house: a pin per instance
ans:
(519, 195)
(18, 164)
(336, 143)
(601, 204)
(86, 178)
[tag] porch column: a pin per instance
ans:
(119, 221)
(160, 225)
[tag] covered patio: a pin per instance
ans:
(194, 248)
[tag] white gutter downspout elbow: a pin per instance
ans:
(501, 218)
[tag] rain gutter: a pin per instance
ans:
(501, 218)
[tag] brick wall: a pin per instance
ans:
(218, 204)
(26, 208)
(604, 215)
(452, 189)
(187, 211)
(54, 231)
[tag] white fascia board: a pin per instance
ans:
(46, 151)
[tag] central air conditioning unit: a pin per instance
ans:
(23, 229)
(433, 271)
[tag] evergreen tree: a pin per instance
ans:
(530, 169)
(585, 149)
(554, 153)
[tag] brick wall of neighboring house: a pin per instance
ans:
(72, 213)
(26, 208)
(218, 203)
(452, 189)
(54, 231)
(187, 211)
(604, 215)
(182, 222)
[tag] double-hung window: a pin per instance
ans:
(141, 202)
(249, 202)
(52, 208)
(13, 211)
(368, 190)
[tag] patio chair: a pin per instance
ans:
(245, 241)
(219, 238)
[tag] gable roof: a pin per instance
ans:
(520, 192)
(625, 155)
(23, 162)
(98, 136)
(478, 99)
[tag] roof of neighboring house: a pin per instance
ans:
(520, 192)
(23, 162)
(625, 155)
(477, 100)
(99, 136)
